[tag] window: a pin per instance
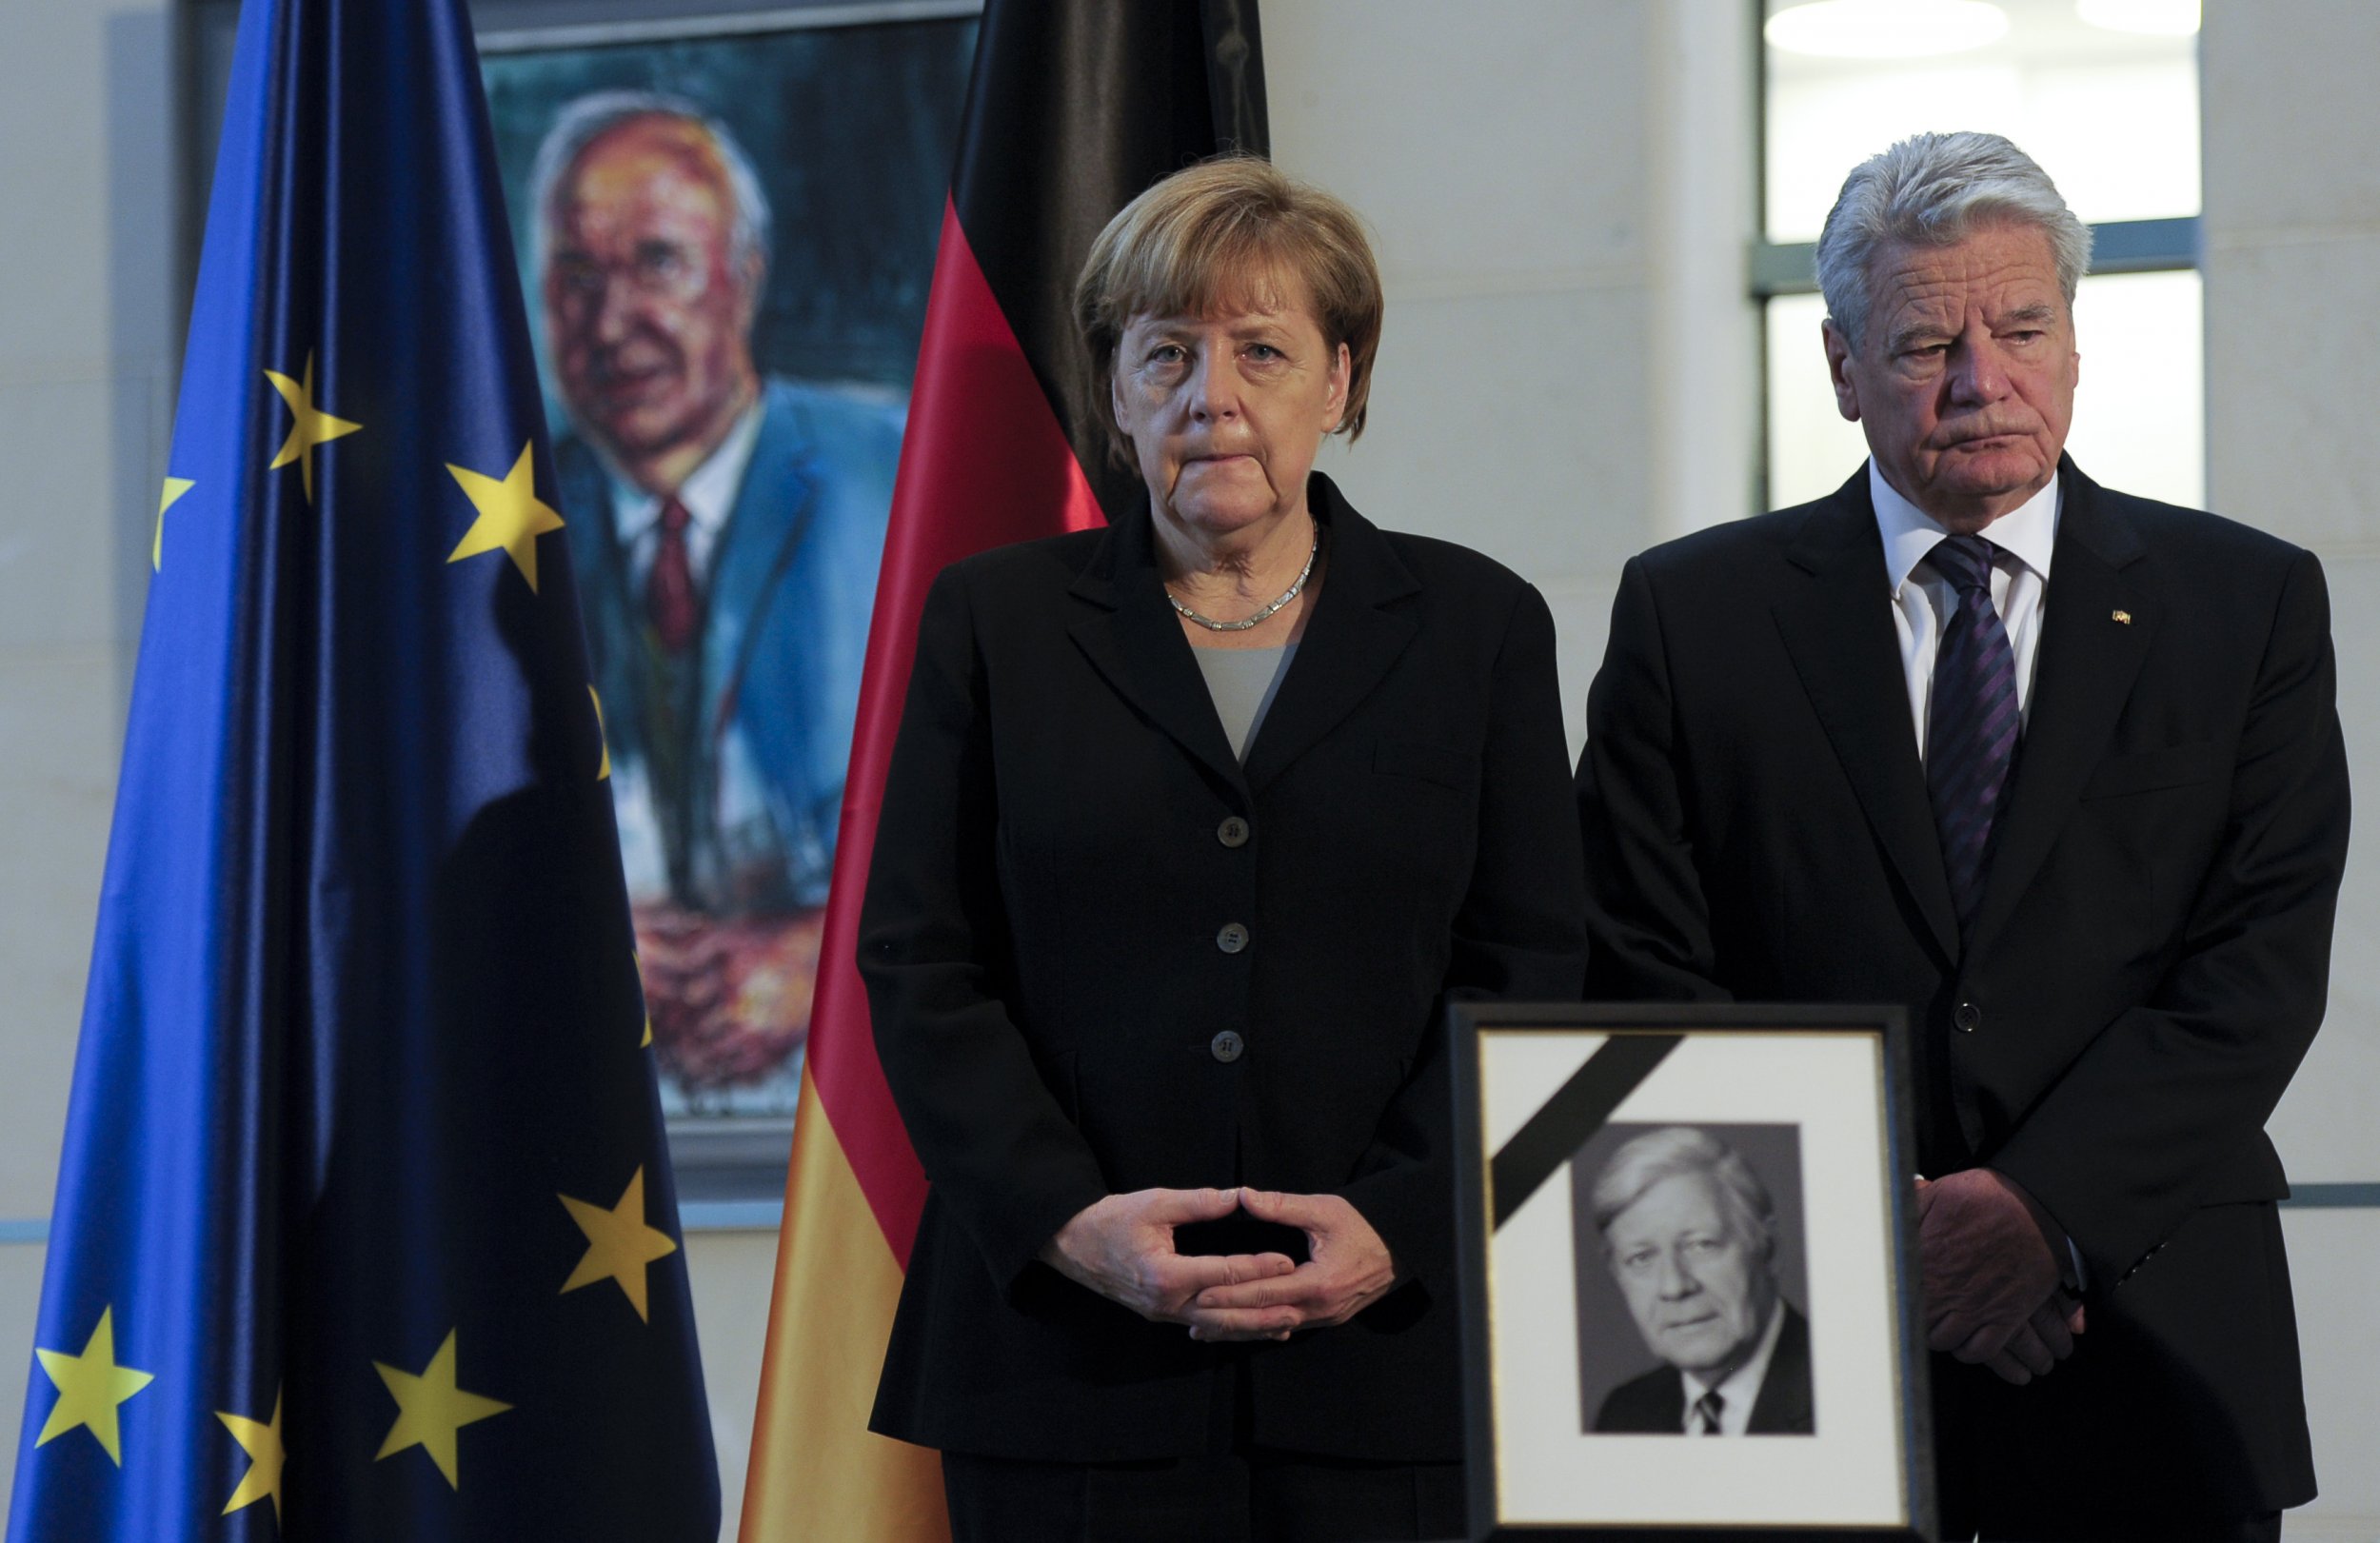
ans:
(2109, 111)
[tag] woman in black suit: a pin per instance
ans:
(1194, 825)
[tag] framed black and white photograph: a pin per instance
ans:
(1689, 1284)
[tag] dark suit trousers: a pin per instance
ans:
(1232, 1497)
(1986, 1437)
(1236, 1492)
(2264, 1529)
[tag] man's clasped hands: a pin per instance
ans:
(1995, 1291)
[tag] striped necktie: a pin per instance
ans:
(1706, 1412)
(1972, 720)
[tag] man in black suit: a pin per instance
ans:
(2060, 769)
(1690, 1236)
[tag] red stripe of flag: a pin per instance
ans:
(986, 461)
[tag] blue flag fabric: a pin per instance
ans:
(365, 1226)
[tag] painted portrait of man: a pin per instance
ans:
(726, 529)
(726, 245)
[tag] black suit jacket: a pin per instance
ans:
(1041, 946)
(2148, 965)
(1654, 1404)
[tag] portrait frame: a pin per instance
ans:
(730, 1164)
(1819, 1097)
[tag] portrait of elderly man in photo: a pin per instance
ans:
(725, 528)
(1689, 1234)
(2060, 770)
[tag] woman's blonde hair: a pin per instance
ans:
(1210, 237)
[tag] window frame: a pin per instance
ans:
(1772, 268)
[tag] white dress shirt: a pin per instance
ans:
(708, 494)
(1923, 599)
(1740, 1389)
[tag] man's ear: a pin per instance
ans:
(755, 280)
(1838, 370)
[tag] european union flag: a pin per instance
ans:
(365, 1227)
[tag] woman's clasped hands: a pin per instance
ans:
(1122, 1248)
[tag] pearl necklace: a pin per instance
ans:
(1287, 596)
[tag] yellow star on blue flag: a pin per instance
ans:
(261, 1440)
(430, 1409)
(176, 488)
(512, 516)
(619, 1243)
(90, 1387)
(311, 426)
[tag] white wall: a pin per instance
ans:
(1561, 195)
(2292, 269)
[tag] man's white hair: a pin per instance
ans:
(1933, 190)
(589, 117)
(1646, 1160)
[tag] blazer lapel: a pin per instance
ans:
(1840, 634)
(1352, 639)
(1782, 1407)
(779, 488)
(1134, 641)
(598, 564)
(2089, 661)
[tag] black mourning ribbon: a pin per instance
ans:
(1578, 1109)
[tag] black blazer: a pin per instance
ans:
(1043, 945)
(2146, 970)
(1654, 1404)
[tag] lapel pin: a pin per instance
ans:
(2125, 617)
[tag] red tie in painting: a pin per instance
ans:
(670, 602)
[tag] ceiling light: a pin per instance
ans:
(1886, 28)
(2157, 18)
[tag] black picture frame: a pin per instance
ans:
(1567, 1102)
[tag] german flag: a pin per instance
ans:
(1075, 107)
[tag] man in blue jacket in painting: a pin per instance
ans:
(725, 531)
